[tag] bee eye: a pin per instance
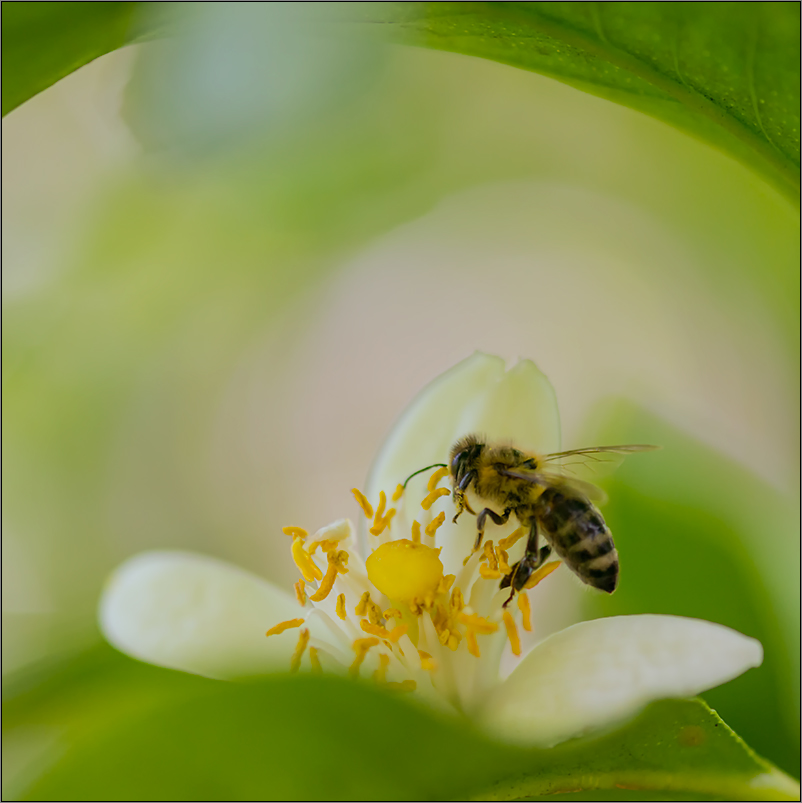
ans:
(531, 463)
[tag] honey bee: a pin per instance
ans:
(533, 488)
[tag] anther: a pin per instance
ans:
(457, 600)
(293, 531)
(512, 633)
(397, 632)
(526, 611)
(415, 532)
(300, 592)
(433, 497)
(503, 561)
(490, 556)
(315, 661)
(381, 506)
(374, 629)
(380, 675)
(362, 606)
(282, 626)
(489, 574)
(436, 477)
(427, 662)
(512, 538)
(303, 640)
(374, 613)
(361, 647)
(431, 527)
(473, 644)
(478, 623)
(399, 490)
(362, 501)
(326, 585)
(341, 612)
(392, 613)
(542, 573)
(304, 562)
(445, 583)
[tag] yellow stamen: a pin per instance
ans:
(374, 630)
(453, 642)
(415, 532)
(443, 635)
(512, 538)
(489, 574)
(362, 606)
(543, 572)
(473, 644)
(392, 613)
(341, 612)
(282, 626)
(433, 497)
(431, 527)
(512, 633)
(362, 500)
(388, 516)
(435, 478)
(457, 600)
(361, 647)
(397, 632)
(303, 640)
(315, 661)
(445, 583)
(300, 592)
(326, 546)
(526, 611)
(503, 561)
(304, 562)
(399, 490)
(477, 623)
(403, 686)
(339, 560)
(426, 661)
(381, 506)
(374, 613)
(380, 675)
(490, 556)
(293, 531)
(326, 585)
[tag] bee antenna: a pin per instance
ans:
(420, 471)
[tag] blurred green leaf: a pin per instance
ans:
(43, 42)
(131, 731)
(698, 536)
(727, 73)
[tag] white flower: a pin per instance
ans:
(411, 616)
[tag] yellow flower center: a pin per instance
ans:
(405, 571)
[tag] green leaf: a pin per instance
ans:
(727, 73)
(43, 42)
(131, 731)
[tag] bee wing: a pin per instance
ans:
(552, 479)
(594, 461)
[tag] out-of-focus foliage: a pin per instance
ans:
(168, 736)
(726, 72)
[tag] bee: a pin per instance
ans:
(533, 488)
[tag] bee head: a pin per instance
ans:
(464, 455)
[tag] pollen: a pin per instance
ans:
(282, 626)
(392, 613)
(512, 633)
(295, 531)
(362, 501)
(397, 493)
(431, 527)
(503, 561)
(303, 640)
(341, 612)
(490, 556)
(435, 478)
(526, 611)
(304, 562)
(326, 585)
(541, 573)
(300, 593)
(416, 532)
(405, 571)
(433, 497)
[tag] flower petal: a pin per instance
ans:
(198, 614)
(596, 673)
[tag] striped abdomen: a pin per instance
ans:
(578, 534)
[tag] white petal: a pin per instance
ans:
(599, 672)
(198, 614)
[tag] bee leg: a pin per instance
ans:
(480, 523)
(543, 556)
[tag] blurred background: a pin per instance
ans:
(229, 265)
